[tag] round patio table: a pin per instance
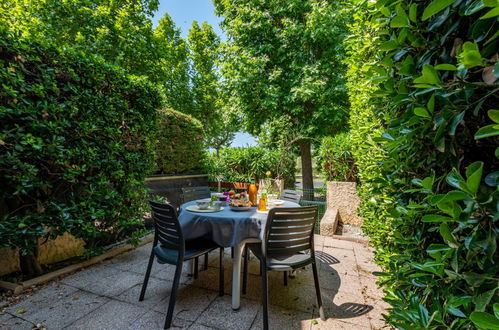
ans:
(227, 228)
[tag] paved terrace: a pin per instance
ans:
(105, 296)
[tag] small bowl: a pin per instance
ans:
(202, 205)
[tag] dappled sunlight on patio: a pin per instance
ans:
(106, 295)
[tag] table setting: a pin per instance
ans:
(230, 219)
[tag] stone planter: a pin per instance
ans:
(343, 197)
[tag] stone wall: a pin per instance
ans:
(343, 196)
(61, 248)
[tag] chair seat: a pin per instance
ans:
(284, 262)
(193, 248)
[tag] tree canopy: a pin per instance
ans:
(284, 62)
(209, 98)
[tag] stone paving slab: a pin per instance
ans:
(105, 296)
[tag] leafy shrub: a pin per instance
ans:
(76, 142)
(251, 163)
(180, 144)
(422, 87)
(335, 158)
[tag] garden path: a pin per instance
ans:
(105, 296)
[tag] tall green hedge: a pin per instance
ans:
(76, 142)
(252, 163)
(180, 146)
(423, 87)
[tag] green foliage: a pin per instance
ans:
(283, 63)
(77, 140)
(422, 85)
(251, 164)
(335, 158)
(209, 104)
(170, 65)
(285, 60)
(119, 31)
(180, 144)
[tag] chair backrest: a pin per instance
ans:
(291, 195)
(289, 230)
(167, 227)
(193, 193)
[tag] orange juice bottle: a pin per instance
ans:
(262, 205)
(252, 194)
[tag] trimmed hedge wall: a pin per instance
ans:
(423, 87)
(76, 142)
(252, 163)
(180, 148)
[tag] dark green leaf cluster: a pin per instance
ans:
(180, 147)
(251, 164)
(423, 85)
(76, 141)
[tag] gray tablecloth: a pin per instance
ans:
(226, 228)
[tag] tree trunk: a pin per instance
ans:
(29, 264)
(306, 170)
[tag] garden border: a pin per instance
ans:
(18, 288)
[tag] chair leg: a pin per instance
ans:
(146, 277)
(318, 292)
(285, 273)
(206, 261)
(196, 266)
(245, 269)
(173, 296)
(265, 297)
(221, 280)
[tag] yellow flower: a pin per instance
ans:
(268, 173)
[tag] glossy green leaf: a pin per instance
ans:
(447, 67)
(486, 131)
(446, 234)
(434, 248)
(457, 181)
(421, 112)
(482, 300)
(492, 179)
(436, 218)
(485, 320)
(413, 12)
(435, 7)
(475, 6)
(456, 312)
(431, 103)
(427, 182)
(454, 195)
(491, 13)
(474, 176)
(470, 56)
(389, 45)
(399, 22)
(496, 310)
(429, 76)
(494, 115)
(455, 122)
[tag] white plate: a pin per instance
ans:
(243, 208)
(277, 202)
(194, 208)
